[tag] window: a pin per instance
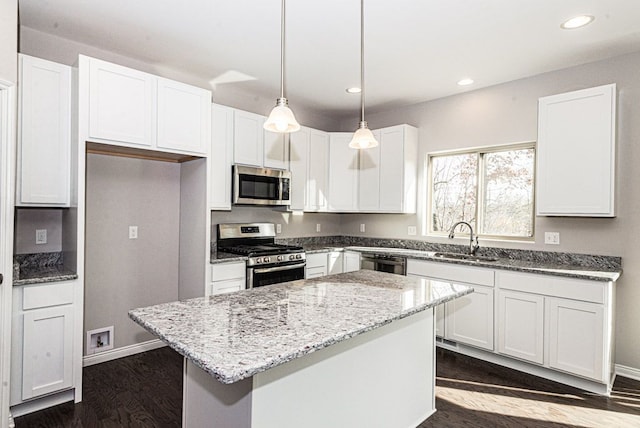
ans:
(490, 188)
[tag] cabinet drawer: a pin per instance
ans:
(224, 271)
(228, 286)
(45, 295)
(315, 272)
(569, 288)
(451, 272)
(317, 260)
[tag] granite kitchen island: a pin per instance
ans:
(354, 349)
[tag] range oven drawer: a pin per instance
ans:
(267, 275)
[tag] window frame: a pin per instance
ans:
(480, 179)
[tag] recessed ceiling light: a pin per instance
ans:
(577, 22)
(465, 82)
(354, 90)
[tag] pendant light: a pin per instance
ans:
(363, 137)
(281, 118)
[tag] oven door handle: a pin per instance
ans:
(279, 268)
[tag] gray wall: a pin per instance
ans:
(123, 273)
(508, 113)
(28, 220)
(292, 225)
(8, 40)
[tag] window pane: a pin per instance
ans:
(454, 190)
(508, 193)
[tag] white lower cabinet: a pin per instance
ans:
(228, 277)
(335, 262)
(470, 318)
(316, 265)
(576, 338)
(43, 338)
(521, 325)
(351, 261)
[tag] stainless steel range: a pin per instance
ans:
(268, 263)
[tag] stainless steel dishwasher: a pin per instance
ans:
(384, 263)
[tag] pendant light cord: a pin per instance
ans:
(282, 35)
(361, 59)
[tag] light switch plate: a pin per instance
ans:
(318, 227)
(133, 232)
(362, 227)
(278, 228)
(552, 238)
(41, 236)
(412, 231)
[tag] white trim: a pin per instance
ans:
(625, 371)
(8, 97)
(124, 351)
(42, 403)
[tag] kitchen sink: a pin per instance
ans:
(469, 257)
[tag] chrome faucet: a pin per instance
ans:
(473, 244)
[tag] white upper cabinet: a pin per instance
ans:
(122, 104)
(221, 157)
(44, 147)
(135, 109)
(184, 117)
(276, 150)
(343, 173)
(309, 165)
(576, 153)
(248, 138)
(388, 173)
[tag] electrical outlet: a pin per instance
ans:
(412, 231)
(41, 236)
(318, 227)
(552, 238)
(362, 227)
(133, 232)
(278, 228)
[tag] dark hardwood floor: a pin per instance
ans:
(145, 390)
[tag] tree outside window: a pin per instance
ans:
(492, 189)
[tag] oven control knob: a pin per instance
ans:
(266, 260)
(298, 256)
(292, 257)
(280, 258)
(258, 261)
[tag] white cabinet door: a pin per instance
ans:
(122, 104)
(248, 138)
(44, 149)
(316, 265)
(351, 261)
(47, 361)
(470, 318)
(343, 173)
(221, 157)
(576, 153)
(298, 158)
(398, 169)
(440, 317)
(369, 178)
(576, 338)
(318, 171)
(521, 325)
(335, 262)
(184, 117)
(276, 150)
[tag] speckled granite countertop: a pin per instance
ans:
(40, 268)
(47, 274)
(234, 336)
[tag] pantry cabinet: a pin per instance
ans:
(221, 157)
(131, 108)
(576, 153)
(44, 133)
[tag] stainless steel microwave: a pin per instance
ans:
(260, 186)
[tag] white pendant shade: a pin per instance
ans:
(363, 138)
(281, 118)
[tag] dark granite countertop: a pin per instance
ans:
(43, 275)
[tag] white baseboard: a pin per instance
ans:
(124, 351)
(629, 372)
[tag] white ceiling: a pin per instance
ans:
(416, 50)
